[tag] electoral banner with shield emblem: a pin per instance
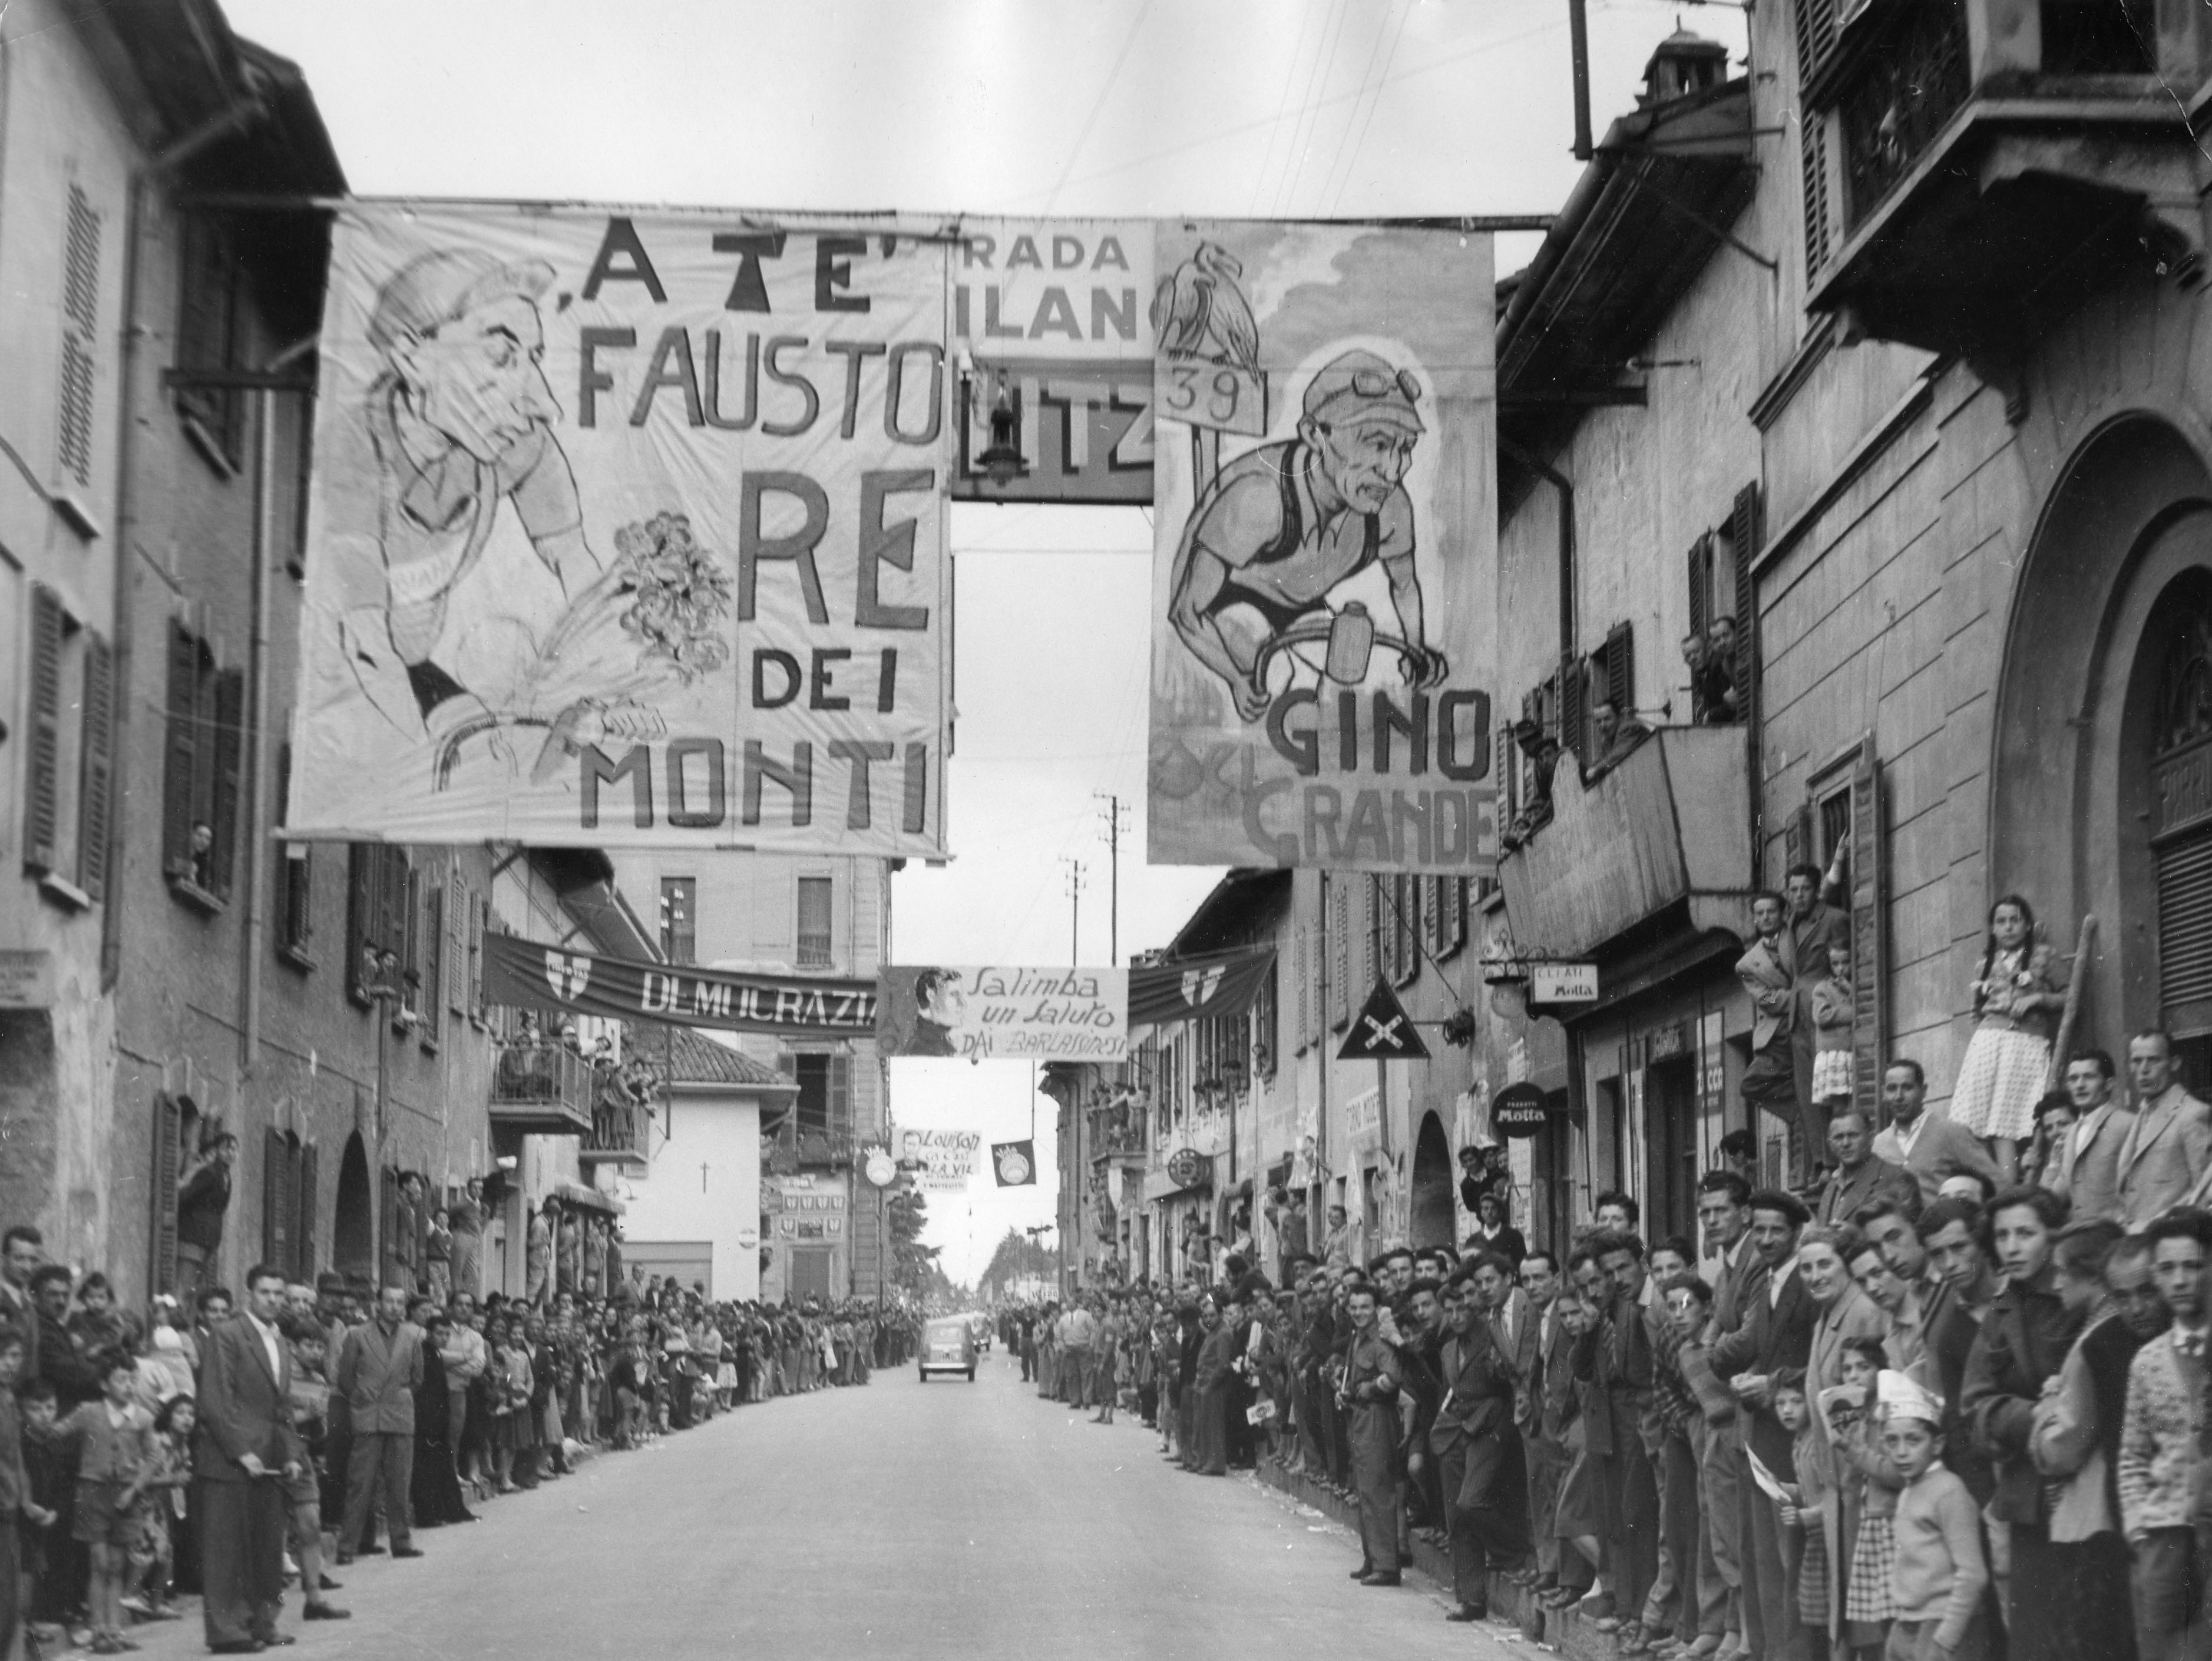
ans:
(626, 530)
(1325, 557)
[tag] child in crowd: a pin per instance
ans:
(2018, 999)
(1941, 1573)
(1870, 1603)
(1803, 1511)
(97, 1328)
(114, 1439)
(1835, 1007)
(52, 1559)
(160, 1520)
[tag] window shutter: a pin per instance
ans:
(168, 1128)
(361, 866)
(229, 761)
(479, 925)
(1812, 159)
(392, 889)
(411, 941)
(179, 782)
(97, 764)
(1505, 773)
(303, 1236)
(432, 991)
(275, 1239)
(840, 1098)
(80, 336)
(1745, 531)
(1816, 35)
(1574, 723)
(42, 816)
(1870, 867)
(1455, 915)
(1621, 669)
(1340, 951)
(456, 975)
(1701, 584)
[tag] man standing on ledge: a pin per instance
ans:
(247, 1450)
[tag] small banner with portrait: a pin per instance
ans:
(626, 530)
(1325, 553)
(1047, 1014)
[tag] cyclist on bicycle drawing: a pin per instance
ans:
(1284, 524)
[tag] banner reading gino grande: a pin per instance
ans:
(625, 530)
(1326, 549)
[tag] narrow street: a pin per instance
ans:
(902, 1520)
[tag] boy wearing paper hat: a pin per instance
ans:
(1940, 1573)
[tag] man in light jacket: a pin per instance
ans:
(2163, 1163)
(380, 1365)
(1931, 1148)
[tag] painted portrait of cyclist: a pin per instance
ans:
(1282, 527)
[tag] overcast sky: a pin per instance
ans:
(1270, 108)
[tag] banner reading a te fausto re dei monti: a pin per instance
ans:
(626, 530)
(942, 1160)
(1325, 548)
(1062, 1015)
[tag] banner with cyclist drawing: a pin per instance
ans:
(626, 530)
(1325, 552)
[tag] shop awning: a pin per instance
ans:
(1216, 987)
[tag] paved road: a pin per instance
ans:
(949, 1519)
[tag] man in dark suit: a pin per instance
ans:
(1725, 1214)
(1776, 1332)
(248, 1450)
(1551, 1351)
(1860, 1176)
(1478, 1452)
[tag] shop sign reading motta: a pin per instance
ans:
(1325, 547)
(1518, 1110)
(1064, 1014)
(626, 530)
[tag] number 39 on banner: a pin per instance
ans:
(1219, 396)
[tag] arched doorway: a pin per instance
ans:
(353, 1223)
(1430, 1222)
(2100, 797)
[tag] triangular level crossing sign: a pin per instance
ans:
(1383, 1031)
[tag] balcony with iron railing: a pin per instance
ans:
(815, 1145)
(1975, 168)
(621, 1133)
(542, 1088)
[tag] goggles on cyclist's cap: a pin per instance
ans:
(1359, 386)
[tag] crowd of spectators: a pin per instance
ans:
(1912, 1410)
(225, 1446)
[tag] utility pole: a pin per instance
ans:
(1114, 810)
(1074, 909)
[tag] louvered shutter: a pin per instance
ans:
(1745, 532)
(1869, 868)
(1816, 35)
(1305, 1001)
(79, 337)
(180, 772)
(411, 941)
(841, 1101)
(229, 741)
(2185, 923)
(168, 1128)
(456, 945)
(1621, 669)
(479, 926)
(363, 863)
(303, 1237)
(1339, 960)
(276, 1236)
(42, 815)
(1701, 584)
(1574, 717)
(1506, 775)
(433, 989)
(391, 904)
(96, 768)
(1812, 160)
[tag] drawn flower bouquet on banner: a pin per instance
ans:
(655, 621)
